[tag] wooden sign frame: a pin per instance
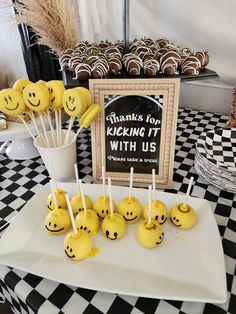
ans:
(168, 90)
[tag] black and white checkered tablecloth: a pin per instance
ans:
(28, 293)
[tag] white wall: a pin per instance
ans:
(11, 57)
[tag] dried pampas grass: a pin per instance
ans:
(54, 21)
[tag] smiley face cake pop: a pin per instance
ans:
(102, 206)
(86, 94)
(36, 97)
(183, 217)
(130, 207)
(20, 85)
(149, 232)
(60, 197)
(56, 90)
(113, 225)
(11, 102)
(159, 211)
(76, 203)
(57, 221)
(87, 219)
(78, 246)
(73, 103)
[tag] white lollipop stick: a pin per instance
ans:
(72, 119)
(60, 135)
(131, 181)
(77, 178)
(26, 125)
(77, 133)
(37, 129)
(57, 128)
(51, 127)
(109, 190)
(103, 182)
(82, 195)
(71, 214)
(154, 184)
(44, 129)
(150, 204)
(53, 178)
(188, 192)
(53, 195)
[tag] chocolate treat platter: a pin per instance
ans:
(146, 58)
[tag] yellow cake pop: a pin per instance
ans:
(56, 90)
(20, 85)
(149, 232)
(58, 221)
(41, 82)
(87, 220)
(89, 116)
(101, 205)
(11, 102)
(36, 97)
(130, 207)
(182, 215)
(73, 103)
(78, 245)
(76, 203)
(159, 211)
(61, 200)
(150, 235)
(113, 225)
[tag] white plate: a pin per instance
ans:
(188, 265)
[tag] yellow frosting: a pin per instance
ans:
(11, 102)
(113, 227)
(130, 209)
(86, 94)
(58, 221)
(150, 235)
(20, 85)
(73, 103)
(76, 203)
(78, 246)
(56, 90)
(61, 199)
(36, 97)
(102, 206)
(159, 211)
(88, 220)
(183, 217)
(89, 116)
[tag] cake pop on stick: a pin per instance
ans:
(113, 225)
(87, 219)
(77, 244)
(59, 194)
(57, 221)
(130, 207)
(159, 210)
(76, 201)
(149, 232)
(183, 215)
(102, 204)
(87, 118)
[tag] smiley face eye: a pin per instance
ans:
(107, 211)
(131, 213)
(85, 228)
(156, 217)
(51, 90)
(102, 211)
(67, 247)
(115, 234)
(55, 225)
(127, 213)
(162, 217)
(73, 100)
(6, 100)
(107, 233)
(49, 224)
(177, 220)
(70, 250)
(30, 95)
(174, 218)
(33, 94)
(81, 227)
(160, 237)
(9, 97)
(69, 98)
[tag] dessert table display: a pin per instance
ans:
(28, 293)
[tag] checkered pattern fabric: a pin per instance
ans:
(28, 293)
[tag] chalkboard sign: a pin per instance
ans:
(135, 129)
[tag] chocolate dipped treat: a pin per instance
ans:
(151, 67)
(190, 66)
(170, 62)
(82, 71)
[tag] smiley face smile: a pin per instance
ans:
(174, 222)
(34, 104)
(130, 218)
(58, 230)
(70, 256)
(69, 107)
(17, 105)
(107, 235)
